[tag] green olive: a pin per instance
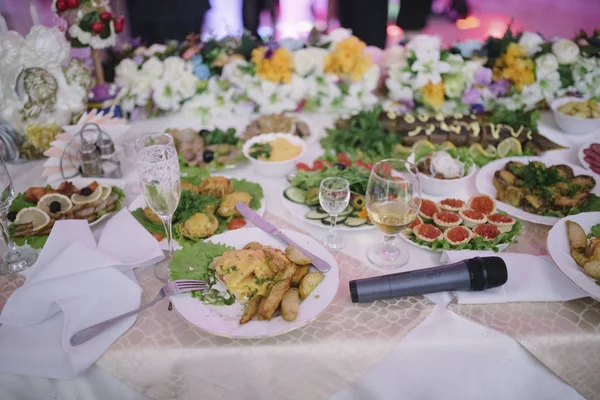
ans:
(358, 202)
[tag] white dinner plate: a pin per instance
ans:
(224, 320)
(140, 202)
(559, 250)
(299, 211)
(83, 182)
(485, 186)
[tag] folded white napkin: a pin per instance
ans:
(530, 278)
(74, 284)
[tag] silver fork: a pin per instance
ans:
(168, 289)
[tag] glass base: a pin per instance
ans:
(381, 255)
(24, 260)
(334, 242)
(162, 270)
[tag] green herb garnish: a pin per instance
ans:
(357, 177)
(260, 150)
(218, 136)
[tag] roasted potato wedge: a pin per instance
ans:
(251, 309)
(253, 246)
(271, 302)
(592, 268)
(296, 256)
(276, 259)
(576, 235)
(290, 305)
(300, 273)
(579, 258)
(309, 283)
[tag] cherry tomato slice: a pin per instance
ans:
(343, 159)
(318, 165)
(236, 223)
(302, 167)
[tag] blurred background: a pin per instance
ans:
(379, 22)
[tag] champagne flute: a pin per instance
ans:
(334, 196)
(16, 259)
(158, 168)
(393, 200)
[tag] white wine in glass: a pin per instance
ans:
(158, 168)
(393, 199)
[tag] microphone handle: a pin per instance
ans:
(412, 283)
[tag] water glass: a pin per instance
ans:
(158, 169)
(334, 196)
(393, 199)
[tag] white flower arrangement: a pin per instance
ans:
(94, 41)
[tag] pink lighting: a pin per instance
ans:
(394, 30)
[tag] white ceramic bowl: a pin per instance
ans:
(274, 169)
(570, 124)
(446, 187)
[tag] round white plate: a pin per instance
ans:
(485, 186)
(559, 250)
(300, 210)
(224, 320)
(140, 202)
(83, 182)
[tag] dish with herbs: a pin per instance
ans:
(258, 287)
(537, 191)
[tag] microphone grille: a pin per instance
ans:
(494, 269)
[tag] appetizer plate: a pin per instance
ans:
(484, 185)
(501, 247)
(224, 320)
(559, 250)
(299, 211)
(83, 182)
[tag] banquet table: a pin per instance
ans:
(443, 353)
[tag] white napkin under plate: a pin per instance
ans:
(74, 284)
(530, 278)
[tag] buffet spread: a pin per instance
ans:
(466, 116)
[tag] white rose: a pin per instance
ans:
(425, 47)
(545, 65)
(126, 72)
(339, 34)
(532, 42)
(532, 94)
(309, 61)
(45, 47)
(186, 85)
(371, 78)
(11, 44)
(395, 55)
(566, 51)
(153, 68)
(550, 85)
(155, 48)
(454, 85)
(174, 68)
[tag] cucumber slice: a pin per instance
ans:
(329, 220)
(353, 222)
(314, 214)
(295, 195)
(349, 210)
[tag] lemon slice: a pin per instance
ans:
(47, 199)
(401, 151)
(476, 149)
(424, 142)
(33, 215)
(78, 199)
(448, 145)
(508, 146)
(106, 191)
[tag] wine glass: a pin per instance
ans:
(334, 196)
(393, 200)
(158, 168)
(16, 259)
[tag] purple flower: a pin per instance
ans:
(499, 88)
(271, 47)
(483, 76)
(139, 59)
(472, 96)
(477, 108)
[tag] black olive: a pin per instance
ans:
(12, 216)
(208, 156)
(340, 166)
(55, 207)
(203, 132)
(86, 191)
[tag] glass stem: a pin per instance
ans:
(332, 226)
(167, 223)
(389, 244)
(13, 252)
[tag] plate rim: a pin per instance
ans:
(577, 268)
(263, 336)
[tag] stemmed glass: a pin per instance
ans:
(16, 260)
(334, 196)
(393, 200)
(158, 168)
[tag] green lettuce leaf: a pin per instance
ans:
(595, 232)
(120, 197)
(20, 203)
(150, 226)
(253, 189)
(35, 242)
(192, 262)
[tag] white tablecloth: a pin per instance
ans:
(444, 357)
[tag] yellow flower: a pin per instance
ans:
(347, 59)
(40, 136)
(278, 68)
(515, 66)
(433, 95)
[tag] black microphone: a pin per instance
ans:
(474, 274)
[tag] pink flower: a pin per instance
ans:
(59, 22)
(377, 55)
(189, 53)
